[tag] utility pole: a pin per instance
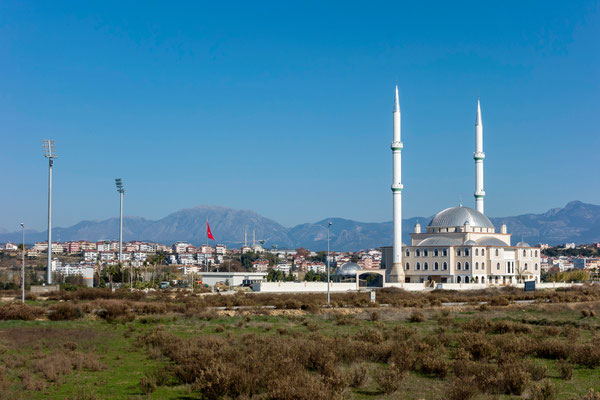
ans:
(328, 293)
(121, 190)
(23, 266)
(50, 153)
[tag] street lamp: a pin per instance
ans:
(23, 266)
(50, 153)
(328, 294)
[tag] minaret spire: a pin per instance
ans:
(479, 155)
(396, 273)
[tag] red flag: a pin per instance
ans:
(208, 232)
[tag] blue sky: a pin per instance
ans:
(285, 108)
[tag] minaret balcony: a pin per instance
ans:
(479, 155)
(397, 187)
(397, 146)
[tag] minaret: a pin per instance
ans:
(479, 155)
(397, 272)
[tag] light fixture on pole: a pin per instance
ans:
(50, 153)
(328, 294)
(23, 266)
(121, 190)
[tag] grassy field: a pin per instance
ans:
(99, 345)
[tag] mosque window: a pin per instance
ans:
(436, 252)
(476, 252)
(483, 252)
(458, 252)
(536, 253)
(466, 279)
(407, 266)
(418, 253)
(536, 266)
(418, 267)
(483, 265)
(458, 265)
(425, 267)
(525, 266)
(407, 253)
(466, 266)
(498, 266)
(436, 266)
(476, 265)
(425, 253)
(497, 252)
(466, 252)
(445, 252)
(445, 266)
(524, 253)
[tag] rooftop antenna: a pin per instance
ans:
(49, 149)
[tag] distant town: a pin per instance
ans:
(97, 263)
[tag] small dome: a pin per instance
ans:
(470, 243)
(439, 241)
(460, 216)
(491, 241)
(348, 269)
(523, 244)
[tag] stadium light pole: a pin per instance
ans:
(121, 190)
(50, 153)
(328, 294)
(23, 266)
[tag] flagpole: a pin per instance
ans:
(206, 254)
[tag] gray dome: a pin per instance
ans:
(470, 243)
(523, 244)
(491, 241)
(458, 216)
(348, 269)
(439, 241)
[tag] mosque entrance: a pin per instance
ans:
(370, 279)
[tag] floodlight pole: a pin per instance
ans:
(23, 266)
(49, 153)
(328, 294)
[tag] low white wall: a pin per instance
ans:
(474, 286)
(300, 287)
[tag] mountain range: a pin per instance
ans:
(576, 222)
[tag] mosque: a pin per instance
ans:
(460, 244)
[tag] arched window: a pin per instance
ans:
(483, 279)
(466, 252)
(425, 267)
(445, 266)
(536, 266)
(483, 265)
(483, 252)
(436, 266)
(458, 252)
(445, 252)
(435, 252)
(458, 279)
(418, 253)
(425, 253)
(498, 266)
(536, 253)
(476, 265)
(418, 267)
(458, 265)
(525, 266)
(407, 253)
(466, 279)
(524, 253)
(497, 252)
(476, 252)
(407, 266)
(466, 266)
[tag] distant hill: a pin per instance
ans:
(576, 222)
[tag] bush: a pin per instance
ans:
(543, 391)
(20, 312)
(462, 389)
(537, 371)
(433, 363)
(416, 316)
(477, 344)
(389, 379)
(565, 369)
(65, 311)
(357, 375)
(499, 301)
(586, 355)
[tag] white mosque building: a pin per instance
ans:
(460, 244)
